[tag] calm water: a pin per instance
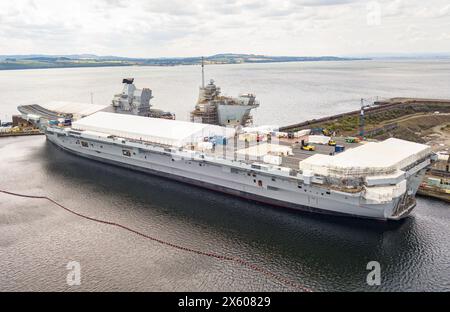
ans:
(288, 92)
(37, 239)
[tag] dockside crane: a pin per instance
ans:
(203, 72)
(361, 117)
(447, 167)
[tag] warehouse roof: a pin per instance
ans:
(156, 130)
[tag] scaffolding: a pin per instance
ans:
(371, 159)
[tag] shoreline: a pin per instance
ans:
(175, 63)
(434, 194)
(8, 134)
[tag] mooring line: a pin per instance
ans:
(239, 261)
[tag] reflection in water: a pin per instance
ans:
(322, 252)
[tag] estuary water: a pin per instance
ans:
(38, 240)
(288, 92)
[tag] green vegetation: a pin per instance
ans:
(411, 121)
(57, 63)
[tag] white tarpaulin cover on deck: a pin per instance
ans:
(378, 158)
(79, 109)
(266, 148)
(156, 130)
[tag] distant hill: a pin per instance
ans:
(406, 56)
(91, 60)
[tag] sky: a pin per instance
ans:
(170, 28)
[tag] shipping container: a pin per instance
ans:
(271, 159)
(248, 136)
(318, 139)
(220, 140)
(205, 145)
(433, 182)
(339, 148)
(301, 133)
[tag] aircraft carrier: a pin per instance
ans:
(376, 180)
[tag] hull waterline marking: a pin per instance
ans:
(244, 263)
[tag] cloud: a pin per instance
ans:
(141, 28)
(324, 2)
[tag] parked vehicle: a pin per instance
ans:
(308, 147)
(352, 140)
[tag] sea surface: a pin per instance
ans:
(323, 253)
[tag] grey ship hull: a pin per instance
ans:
(213, 187)
(287, 195)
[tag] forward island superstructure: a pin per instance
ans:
(134, 101)
(131, 101)
(375, 180)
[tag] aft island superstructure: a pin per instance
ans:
(375, 180)
(214, 108)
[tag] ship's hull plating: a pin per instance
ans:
(234, 114)
(249, 185)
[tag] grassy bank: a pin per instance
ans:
(411, 119)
